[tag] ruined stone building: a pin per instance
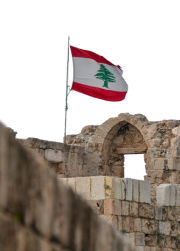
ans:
(91, 164)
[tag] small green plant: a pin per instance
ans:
(106, 186)
(159, 238)
(156, 232)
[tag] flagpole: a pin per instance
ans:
(66, 105)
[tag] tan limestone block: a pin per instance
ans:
(54, 155)
(144, 191)
(135, 192)
(83, 187)
(114, 188)
(112, 207)
(176, 131)
(146, 248)
(72, 183)
(97, 188)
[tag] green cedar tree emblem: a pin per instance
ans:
(105, 75)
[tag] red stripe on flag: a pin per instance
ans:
(81, 53)
(95, 92)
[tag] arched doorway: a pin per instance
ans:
(121, 136)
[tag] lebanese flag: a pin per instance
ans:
(95, 76)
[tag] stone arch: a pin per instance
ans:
(107, 133)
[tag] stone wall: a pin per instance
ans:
(126, 204)
(38, 212)
(92, 164)
(100, 150)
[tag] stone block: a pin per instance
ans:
(119, 223)
(64, 180)
(72, 158)
(155, 142)
(172, 195)
(146, 211)
(125, 208)
(176, 131)
(54, 155)
(134, 209)
(128, 188)
(135, 194)
(144, 191)
(87, 159)
(178, 195)
(174, 228)
(126, 224)
(102, 170)
(97, 139)
(137, 225)
(175, 142)
(90, 170)
(114, 188)
(72, 183)
(177, 214)
(174, 177)
(149, 226)
(155, 176)
(73, 170)
(121, 190)
(174, 163)
(164, 227)
(172, 214)
(146, 248)
(158, 212)
(97, 187)
(96, 158)
(83, 187)
(139, 239)
(101, 132)
(112, 207)
(163, 192)
(176, 152)
(139, 125)
(153, 190)
(118, 171)
(151, 240)
(159, 163)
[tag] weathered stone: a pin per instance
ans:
(145, 191)
(158, 213)
(163, 194)
(125, 208)
(140, 239)
(83, 185)
(54, 155)
(112, 207)
(149, 226)
(146, 211)
(135, 190)
(133, 209)
(97, 187)
(97, 205)
(137, 225)
(164, 227)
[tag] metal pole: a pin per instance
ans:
(66, 105)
